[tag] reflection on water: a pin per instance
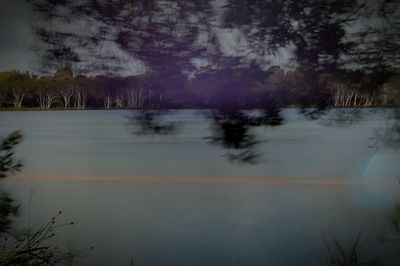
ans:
(232, 129)
(152, 122)
(388, 136)
(168, 197)
(342, 117)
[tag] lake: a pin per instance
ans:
(194, 195)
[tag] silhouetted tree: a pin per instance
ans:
(232, 129)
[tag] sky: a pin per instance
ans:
(17, 40)
(16, 36)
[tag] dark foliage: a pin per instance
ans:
(232, 129)
(151, 122)
(8, 211)
(8, 164)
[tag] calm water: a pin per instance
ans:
(177, 199)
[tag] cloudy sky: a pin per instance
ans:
(16, 46)
(17, 42)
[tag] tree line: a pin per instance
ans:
(249, 87)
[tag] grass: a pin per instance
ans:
(338, 255)
(35, 247)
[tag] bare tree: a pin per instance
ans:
(136, 97)
(66, 96)
(82, 85)
(19, 84)
(17, 97)
(80, 98)
(46, 91)
(119, 101)
(65, 84)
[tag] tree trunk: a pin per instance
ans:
(66, 97)
(17, 99)
(119, 101)
(107, 102)
(50, 99)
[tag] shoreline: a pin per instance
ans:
(211, 180)
(189, 108)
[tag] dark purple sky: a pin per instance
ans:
(16, 45)
(17, 41)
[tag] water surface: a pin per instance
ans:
(176, 199)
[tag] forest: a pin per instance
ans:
(249, 87)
